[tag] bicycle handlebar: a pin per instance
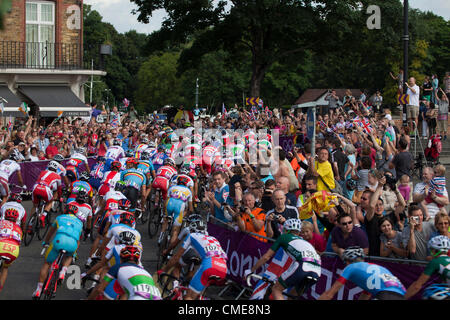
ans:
(44, 249)
(256, 276)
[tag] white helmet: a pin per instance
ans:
(440, 243)
(353, 253)
(292, 225)
(53, 166)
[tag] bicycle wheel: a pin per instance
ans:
(154, 222)
(163, 245)
(42, 231)
(30, 231)
(49, 289)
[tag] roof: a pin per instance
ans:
(314, 94)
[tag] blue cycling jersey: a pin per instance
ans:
(372, 278)
(145, 166)
(158, 160)
(69, 225)
(133, 177)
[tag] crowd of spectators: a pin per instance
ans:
(364, 159)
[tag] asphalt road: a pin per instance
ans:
(24, 272)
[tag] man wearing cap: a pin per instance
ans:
(42, 142)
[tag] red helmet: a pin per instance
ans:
(116, 165)
(127, 218)
(130, 253)
(71, 209)
(15, 197)
(124, 204)
(182, 181)
(11, 214)
(132, 161)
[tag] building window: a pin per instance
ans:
(40, 33)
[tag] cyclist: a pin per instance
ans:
(47, 188)
(135, 182)
(110, 258)
(74, 162)
(163, 176)
(132, 281)
(213, 258)
(81, 184)
(146, 166)
(140, 148)
(97, 173)
(113, 153)
(61, 169)
(306, 266)
(184, 172)
(7, 168)
(13, 207)
(177, 197)
(364, 275)
(159, 157)
(10, 238)
(84, 211)
(108, 183)
(67, 229)
(210, 156)
(111, 217)
(440, 264)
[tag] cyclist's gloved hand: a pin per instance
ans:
(45, 244)
(247, 273)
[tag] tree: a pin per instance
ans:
(158, 82)
(270, 30)
(5, 5)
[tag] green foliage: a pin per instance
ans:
(5, 5)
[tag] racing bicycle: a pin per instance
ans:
(34, 225)
(51, 283)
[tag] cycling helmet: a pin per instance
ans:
(119, 185)
(15, 197)
(129, 153)
(15, 155)
(100, 159)
(84, 176)
(124, 204)
(82, 196)
(116, 142)
(440, 244)
(127, 237)
(71, 209)
(127, 218)
(130, 253)
(161, 148)
(132, 160)
(353, 253)
(184, 170)
(11, 214)
(152, 144)
(194, 218)
(350, 184)
(144, 141)
(53, 166)
(169, 162)
(437, 291)
(292, 225)
(81, 150)
(198, 226)
(183, 181)
(145, 156)
(58, 158)
(116, 165)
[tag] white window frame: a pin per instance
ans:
(39, 59)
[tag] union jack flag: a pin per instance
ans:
(224, 111)
(10, 124)
(363, 123)
(280, 263)
(268, 112)
(261, 104)
(126, 102)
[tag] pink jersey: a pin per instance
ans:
(166, 172)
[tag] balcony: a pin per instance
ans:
(41, 55)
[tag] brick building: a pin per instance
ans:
(41, 58)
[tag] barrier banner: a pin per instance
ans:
(32, 169)
(244, 251)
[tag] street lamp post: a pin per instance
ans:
(196, 93)
(405, 39)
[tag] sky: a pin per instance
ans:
(118, 13)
